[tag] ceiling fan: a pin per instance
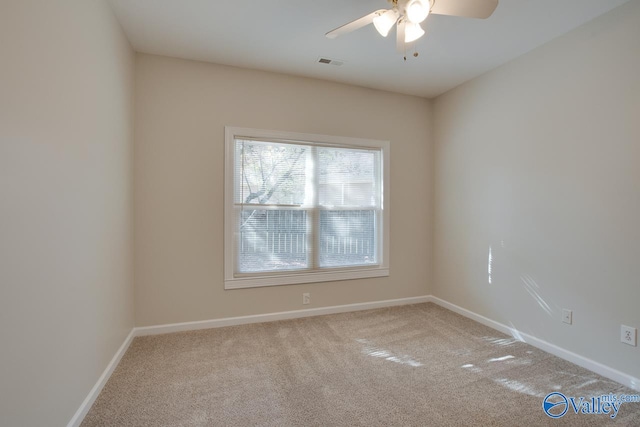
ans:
(407, 15)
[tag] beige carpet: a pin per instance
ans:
(417, 365)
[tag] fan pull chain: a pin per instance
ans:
(415, 52)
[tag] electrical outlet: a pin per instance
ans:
(306, 298)
(567, 316)
(628, 335)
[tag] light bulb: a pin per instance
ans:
(412, 32)
(385, 21)
(417, 11)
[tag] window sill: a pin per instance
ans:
(300, 278)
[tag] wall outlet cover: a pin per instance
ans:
(628, 335)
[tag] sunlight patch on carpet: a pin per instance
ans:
(386, 355)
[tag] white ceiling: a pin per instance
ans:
(287, 36)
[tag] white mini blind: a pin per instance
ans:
(270, 189)
(305, 207)
(349, 188)
(270, 173)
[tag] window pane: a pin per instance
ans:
(348, 177)
(272, 240)
(347, 238)
(270, 173)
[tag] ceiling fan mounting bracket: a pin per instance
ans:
(404, 3)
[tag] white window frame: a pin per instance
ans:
(239, 281)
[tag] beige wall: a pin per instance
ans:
(182, 108)
(538, 160)
(66, 291)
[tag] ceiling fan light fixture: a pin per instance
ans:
(384, 22)
(417, 11)
(412, 32)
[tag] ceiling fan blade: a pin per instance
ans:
(354, 25)
(400, 44)
(467, 8)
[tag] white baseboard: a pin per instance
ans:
(97, 388)
(271, 317)
(606, 371)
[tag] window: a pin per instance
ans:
(304, 208)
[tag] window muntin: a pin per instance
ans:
(303, 208)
